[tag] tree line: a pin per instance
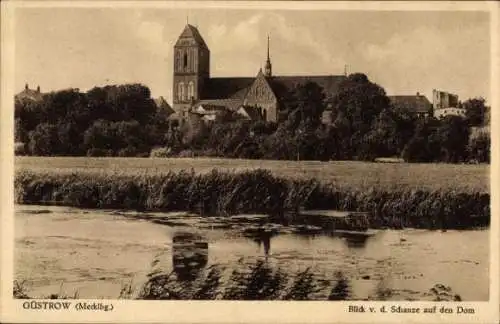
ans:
(124, 121)
(118, 120)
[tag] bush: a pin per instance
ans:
(161, 152)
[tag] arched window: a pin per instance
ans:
(190, 90)
(264, 115)
(178, 61)
(180, 91)
(185, 60)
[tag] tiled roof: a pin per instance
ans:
(228, 103)
(191, 32)
(283, 84)
(252, 112)
(163, 105)
(238, 87)
(221, 88)
(413, 103)
(29, 94)
(211, 108)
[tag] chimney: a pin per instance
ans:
(418, 94)
(26, 86)
(38, 89)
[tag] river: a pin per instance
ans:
(62, 250)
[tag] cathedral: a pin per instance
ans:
(258, 97)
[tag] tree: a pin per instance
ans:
(475, 111)
(359, 101)
(308, 102)
(453, 136)
(424, 145)
(43, 140)
(479, 148)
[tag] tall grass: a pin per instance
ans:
(257, 281)
(252, 191)
(355, 174)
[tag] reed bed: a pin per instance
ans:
(353, 174)
(252, 191)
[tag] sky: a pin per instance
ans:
(403, 51)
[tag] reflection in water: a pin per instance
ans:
(355, 241)
(264, 239)
(189, 255)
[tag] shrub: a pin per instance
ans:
(161, 152)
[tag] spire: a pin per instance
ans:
(268, 48)
(268, 67)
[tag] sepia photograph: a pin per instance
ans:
(278, 152)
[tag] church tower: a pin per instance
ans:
(191, 69)
(268, 68)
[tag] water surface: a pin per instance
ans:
(65, 250)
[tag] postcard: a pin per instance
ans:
(249, 162)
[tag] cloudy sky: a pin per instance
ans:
(405, 52)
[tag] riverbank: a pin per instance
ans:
(252, 191)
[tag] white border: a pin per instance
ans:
(230, 312)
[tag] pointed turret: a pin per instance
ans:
(268, 68)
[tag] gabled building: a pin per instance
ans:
(414, 104)
(193, 85)
(446, 104)
(250, 113)
(29, 94)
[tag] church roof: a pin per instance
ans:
(237, 87)
(221, 88)
(281, 85)
(191, 33)
(411, 103)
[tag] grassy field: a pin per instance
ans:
(358, 175)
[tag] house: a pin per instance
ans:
(446, 104)
(207, 112)
(449, 111)
(30, 94)
(414, 104)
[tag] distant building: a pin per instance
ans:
(251, 113)
(450, 111)
(415, 104)
(163, 107)
(446, 104)
(193, 85)
(207, 112)
(29, 94)
(441, 99)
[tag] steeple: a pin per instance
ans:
(268, 67)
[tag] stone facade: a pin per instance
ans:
(191, 69)
(442, 99)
